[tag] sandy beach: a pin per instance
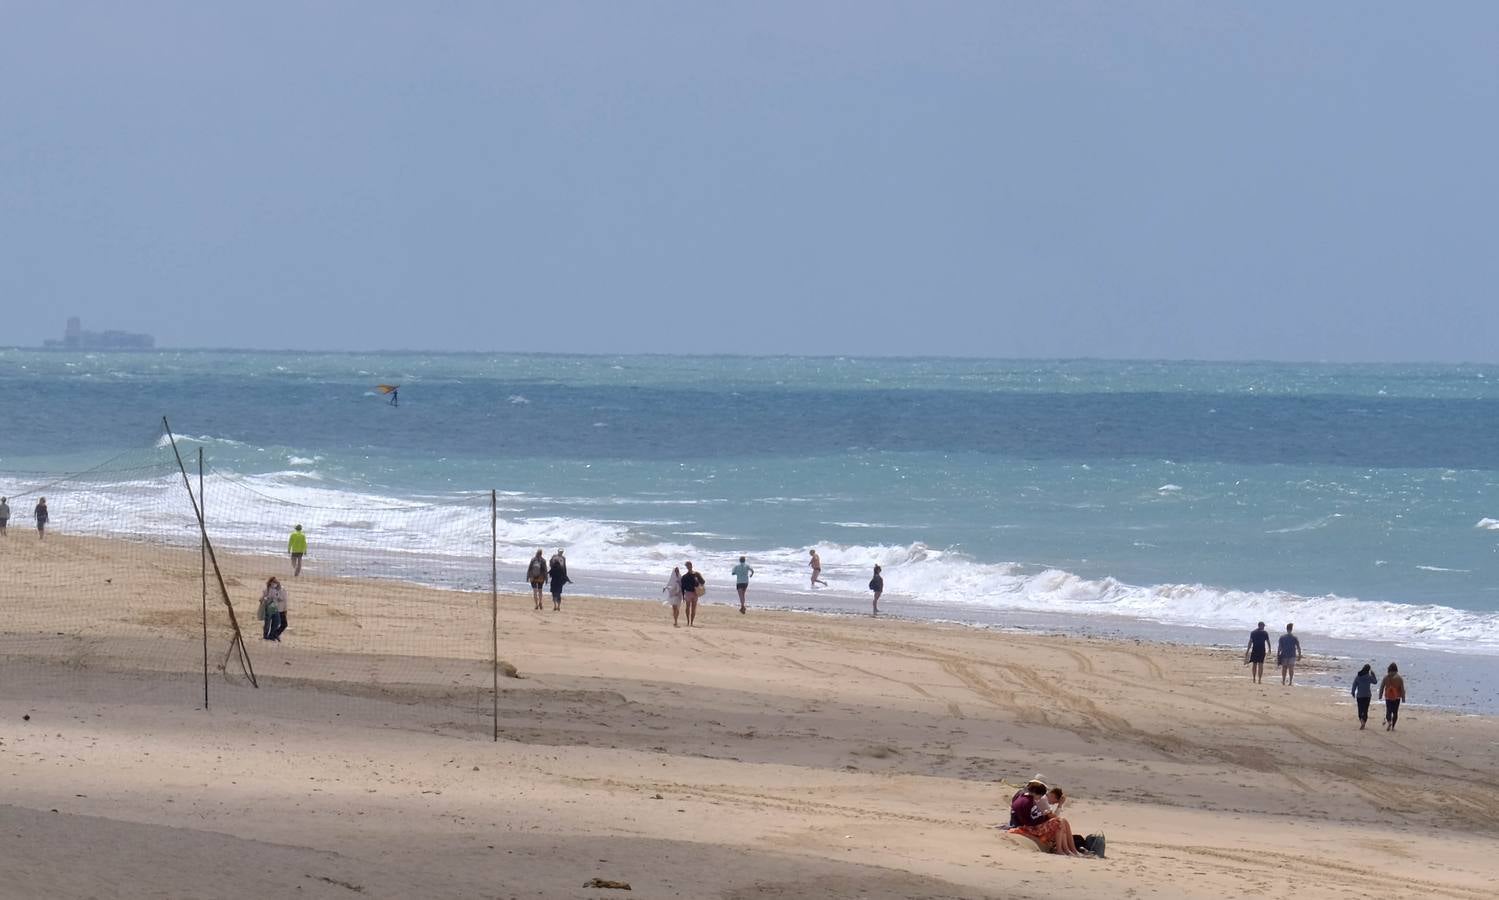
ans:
(759, 755)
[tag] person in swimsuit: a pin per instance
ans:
(1254, 654)
(816, 565)
(692, 588)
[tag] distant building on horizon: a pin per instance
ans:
(75, 338)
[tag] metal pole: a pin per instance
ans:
(203, 564)
(494, 607)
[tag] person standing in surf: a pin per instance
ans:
(1287, 653)
(1392, 691)
(1254, 653)
(296, 545)
(816, 564)
(742, 574)
(877, 584)
(536, 575)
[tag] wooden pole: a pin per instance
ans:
(494, 607)
(237, 642)
(203, 566)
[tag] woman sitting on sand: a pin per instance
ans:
(1030, 815)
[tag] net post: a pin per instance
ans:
(494, 607)
(203, 566)
(218, 574)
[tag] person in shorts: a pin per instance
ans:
(742, 574)
(1254, 653)
(1287, 652)
(536, 576)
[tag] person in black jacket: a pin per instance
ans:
(557, 571)
(877, 584)
(692, 588)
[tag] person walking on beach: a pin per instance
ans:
(692, 583)
(816, 564)
(673, 591)
(41, 518)
(1392, 691)
(1288, 651)
(1363, 684)
(296, 545)
(273, 607)
(1254, 653)
(557, 572)
(536, 574)
(4, 515)
(742, 574)
(877, 584)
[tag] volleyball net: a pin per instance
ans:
(155, 564)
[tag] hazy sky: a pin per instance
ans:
(1186, 179)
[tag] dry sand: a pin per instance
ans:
(764, 755)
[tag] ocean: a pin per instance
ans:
(1359, 501)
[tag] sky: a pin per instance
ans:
(1156, 180)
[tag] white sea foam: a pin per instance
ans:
(1488, 524)
(362, 532)
(1169, 489)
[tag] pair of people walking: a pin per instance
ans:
(40, 513)
(1287, 654)
(541, 572)
(1391, 691)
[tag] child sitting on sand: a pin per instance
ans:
(1054, 800)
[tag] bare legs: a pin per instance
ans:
(741, 588)
(877, 603)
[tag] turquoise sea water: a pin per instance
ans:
(1358, 501)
